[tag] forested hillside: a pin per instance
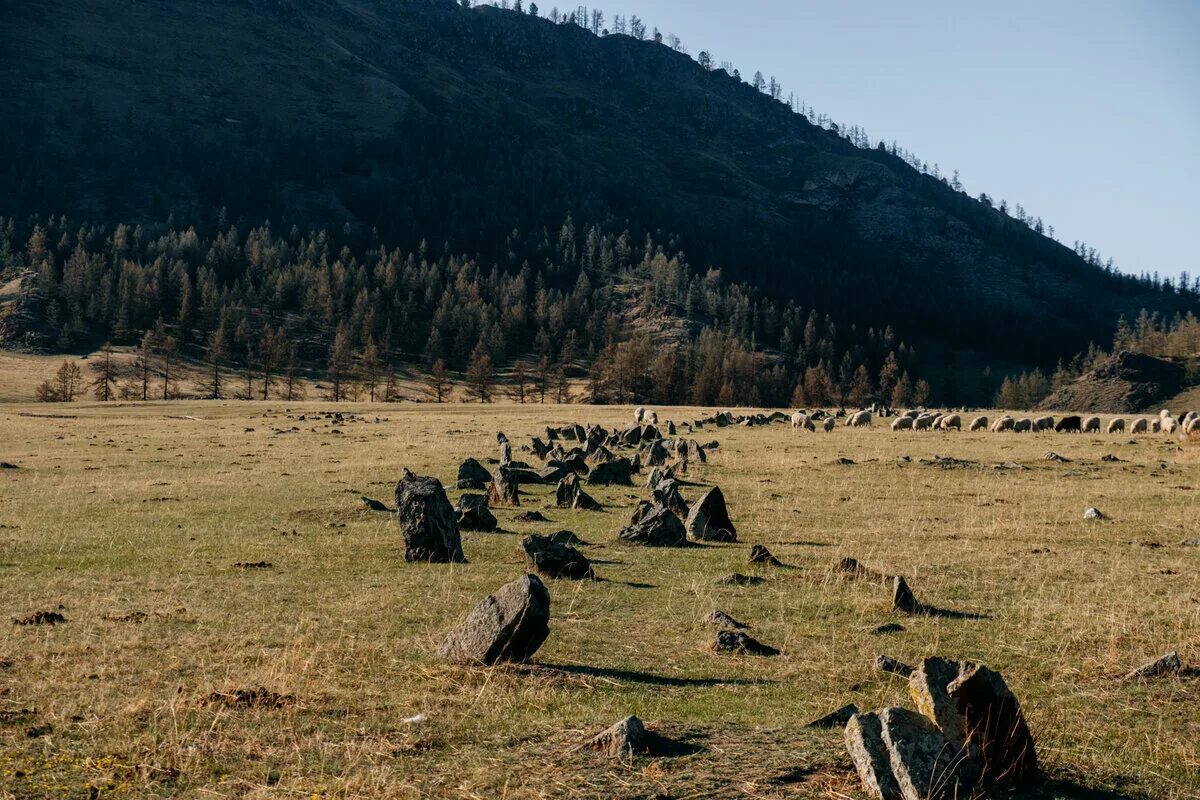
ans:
(444, 146)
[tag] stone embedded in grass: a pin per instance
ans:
(923, 766)
(864, 743)
(626, 737)
(658, 528)
(568, 538)
(474, 514)
(8, 465)
(254, 565)
(886, 628)
(893, 666)
(741, 644)
(509, 625)
(473, 475)
(835, 719)
(372, 504)
(427, 521)
(759, 554)
(503, 492)
(531, 516)
(41, 618)
(1093, 513)
(556, 560)
(856, 570)
(616, 472)
(721, 619)
(570, 494)
(738, 579)
(903, 598)
(666, 493)
(709, 521)
(258, 697)
(1163, 665)
(929, 686)
(995, 726)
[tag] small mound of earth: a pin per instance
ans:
(254, 565)
(257, 697)
(41, 618)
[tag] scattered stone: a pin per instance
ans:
(886, 628)
(570, 494)
(615, 472)
(741, 643)
(856, 570)
(8, 465)
(929, 686)
(503, 492)
(924, 768)
(761, 555)
(845, 461)
(1110, 458)
(568, 538)
(864, 743)
(722, 620)
(136, 617)
(658, 528)
(903, 598)
(667, 493)
(250, 698)
(555, 559)
(427, 521)
(254, 565)
(835, 719)
(738, 579)
(474, 515)
(473, 475)
(1056, 458)
(1191, 542)
(708, 521)
(531, 516)
(1093, 513)
(1164, 665)
(374, 505)
(892, 666)
(509, 625)
(41, 618)
(626, 737)
(995, 725)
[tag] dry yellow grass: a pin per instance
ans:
(135, 509)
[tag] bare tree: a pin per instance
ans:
(105, 369)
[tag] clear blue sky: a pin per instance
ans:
(1086, 113)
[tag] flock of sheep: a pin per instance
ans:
(917, 420)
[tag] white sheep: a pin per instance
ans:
(1139, 426)
(1116, 426)
(902, 424)
(1091, 425)
(1005, 423)
(859, 419)
(1169, 425)
(923, 422)
(950, 421)
(798, 420)
(979, 424)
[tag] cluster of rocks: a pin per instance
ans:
(968, 734)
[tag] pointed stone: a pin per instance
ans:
(427, 520)
(509, 625)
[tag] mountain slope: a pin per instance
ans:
(425, 120)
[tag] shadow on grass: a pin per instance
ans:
(1067, 790)
(947, 613)
(647, 678)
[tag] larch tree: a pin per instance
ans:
(104, 383)
(481, 374)
(437, 382)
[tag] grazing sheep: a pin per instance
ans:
(1156, 425)
(1091, 425)
(652, 418)
(1116, 426)
(950, 421)
(1139, 426)
(923, 422)
(829, 424)
(902, 424)
(912, 413)
(1071, 424)
(979, 424)
(1193, 426)
(1043, 424)
(638, 415)
(1169, 425)
(859, 419)
(798, 420)
(1023, 425)
(1005, 423)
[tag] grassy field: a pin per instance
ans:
(128, 520)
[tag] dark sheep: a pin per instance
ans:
(1072, 424)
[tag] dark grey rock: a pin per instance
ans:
(509, 625)
(555, 559)
(728, 641)
(615, 472)
(427, 520)
(474, 514)
(835, 719)
(708, 520)
(503, 492)
(659, 528)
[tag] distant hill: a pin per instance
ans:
(423, 121)
(1124, 383)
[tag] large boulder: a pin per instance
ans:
(427, 520)
(708, 520)
(994, 723)
(571, 495)
(509, 625)
(474, 514)
(503, 491)
(659, 527)
(555, 559)
(473, 475)
(901, 755)
(928, 686)
(616, 472)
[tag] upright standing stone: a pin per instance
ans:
(923, 764)
(864, 743)
(503, 491)
(427, 520)
(509, 625)
(473, 475)
(994, 724)
(928, 685)
(708, 520)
